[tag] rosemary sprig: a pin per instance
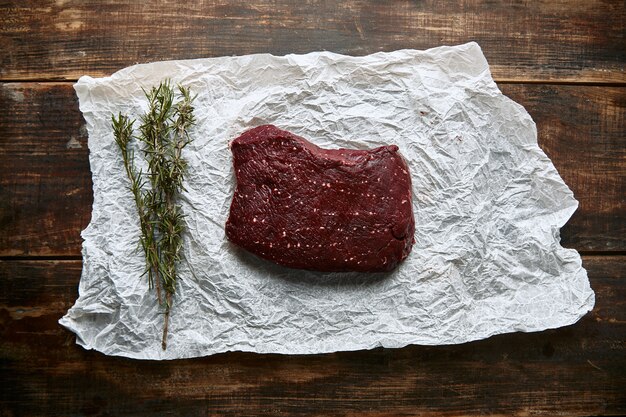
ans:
(164, 134)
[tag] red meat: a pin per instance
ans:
(305, 207)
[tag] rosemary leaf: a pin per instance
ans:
(163, 134)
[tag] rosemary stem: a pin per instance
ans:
(164, 134)
(168, 302)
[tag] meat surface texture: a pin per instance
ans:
(305, 207)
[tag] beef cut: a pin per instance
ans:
(305, 207)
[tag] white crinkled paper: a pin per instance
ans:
(488, 205)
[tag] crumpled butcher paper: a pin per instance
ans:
(488, 206)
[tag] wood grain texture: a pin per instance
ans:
(576, 370)
(577, 41)
(45, 182)
(582, 131)
(556, 49)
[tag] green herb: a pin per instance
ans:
(163, 133)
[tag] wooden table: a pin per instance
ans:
(564, 61)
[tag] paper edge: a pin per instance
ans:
(82, 90)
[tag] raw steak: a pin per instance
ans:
(302, 206)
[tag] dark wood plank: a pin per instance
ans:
(45, 184)
(545, 40)
(577, 370)
(582, 131)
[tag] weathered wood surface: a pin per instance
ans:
(524, 41)
(577, 370)
(565, 60)
(582, 130)
(45, 182)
